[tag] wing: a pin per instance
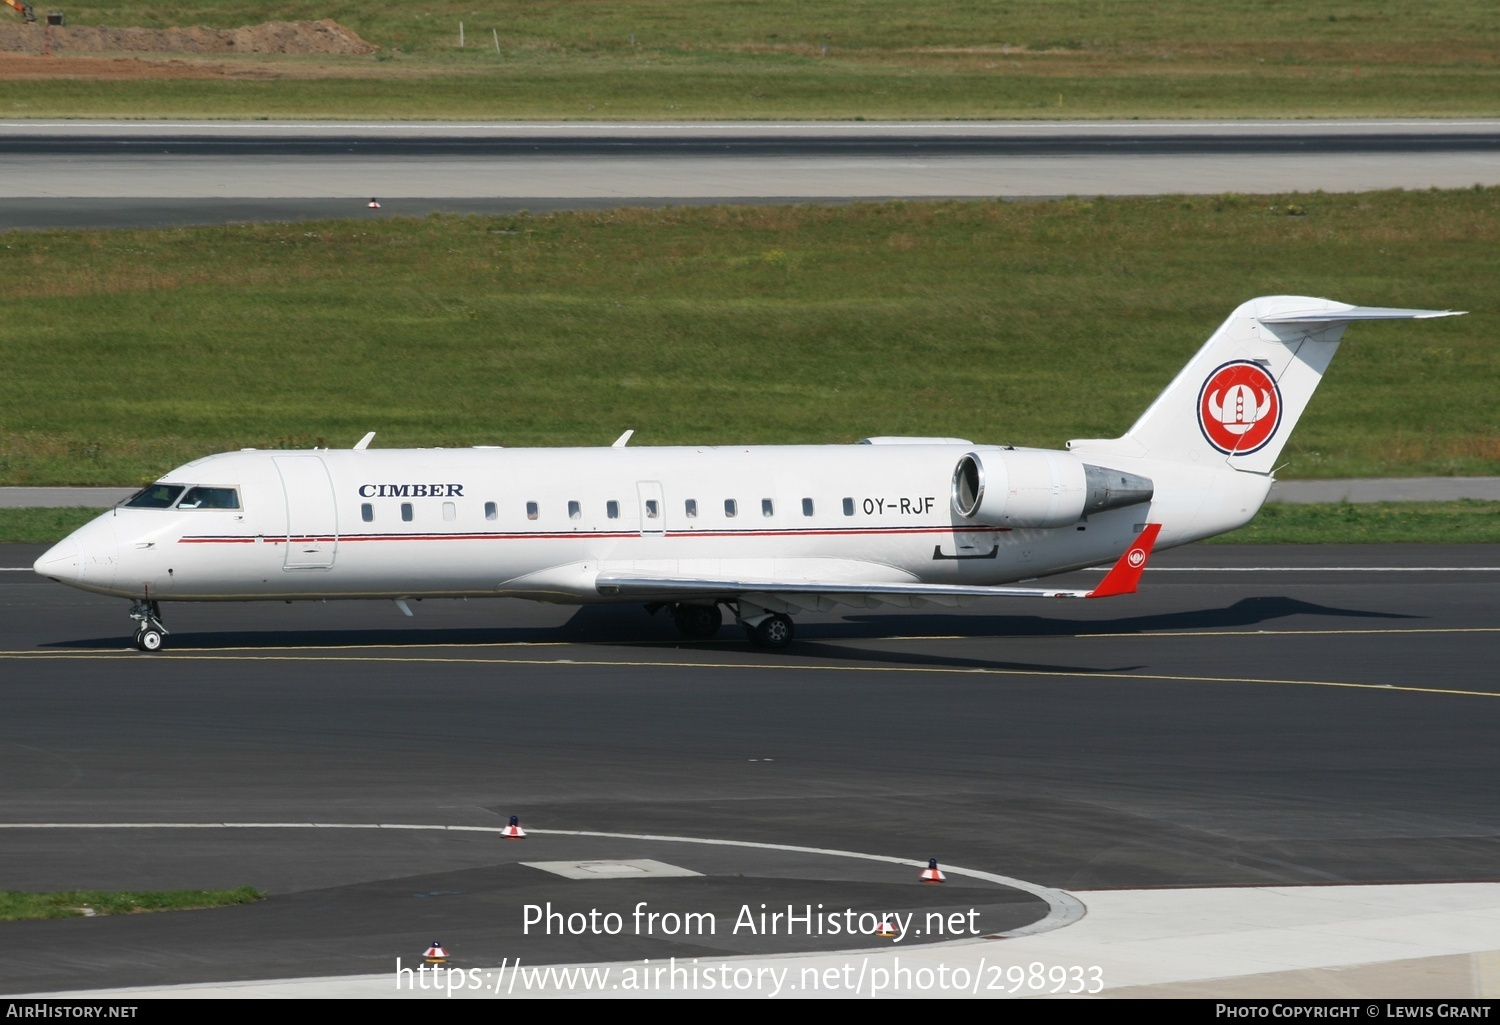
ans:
(824, 594)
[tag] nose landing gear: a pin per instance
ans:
(149, 632)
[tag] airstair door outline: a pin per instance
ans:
(312, 523)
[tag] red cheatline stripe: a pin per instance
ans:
(591, 535)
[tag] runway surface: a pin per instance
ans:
(142, 174)
(1263, 717)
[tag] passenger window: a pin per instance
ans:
(848, 507)
(691, 508)
(807, 507)
(531, 510)
(653, 511)
(731, 507)
(367, 513)
(491, 511)
(210, 498)
(766, 508)
(612, 509)
(405, 512)
(450, 511)
(575, 511)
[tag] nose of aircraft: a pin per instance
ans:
(63, 562)
(87, 558)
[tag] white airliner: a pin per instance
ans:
(764, 531)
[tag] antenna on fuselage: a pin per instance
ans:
(622, 439)
(364, 442)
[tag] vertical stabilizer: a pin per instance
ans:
(1238, 399)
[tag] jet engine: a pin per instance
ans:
(1014, 487)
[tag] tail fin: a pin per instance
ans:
(1238, 399)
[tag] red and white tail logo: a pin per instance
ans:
(1239, 408)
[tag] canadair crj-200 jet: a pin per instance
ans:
(763, 531)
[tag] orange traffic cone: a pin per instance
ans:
(930, 874)
(373, 204)
(514, 830)
(436, 954)
(885, 930)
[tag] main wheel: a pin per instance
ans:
(148, 639)
(699, 622)
(774, 631)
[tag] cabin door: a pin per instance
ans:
(312, 524)
(653, 510)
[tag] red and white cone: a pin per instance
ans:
(885, 930)
(373, 204)
(931, 874)
(436, 954)
(514, 830)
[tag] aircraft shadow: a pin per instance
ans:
(1245, 612)
(601, 625)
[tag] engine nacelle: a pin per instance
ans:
(1039, 488)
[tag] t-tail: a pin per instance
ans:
(1233, 407)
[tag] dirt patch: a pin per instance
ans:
(274, 37)
(37, 66)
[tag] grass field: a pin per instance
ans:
(127, 353)
(17, 906)
(780, 59)
(1464, 522)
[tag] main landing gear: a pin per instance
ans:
(775, 631)
(702, 622)
(149, 632)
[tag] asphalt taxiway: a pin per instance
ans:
(73, 174)
(1273, 717)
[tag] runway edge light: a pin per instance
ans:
(932, 874)
(514, 830)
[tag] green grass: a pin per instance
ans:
(16, 906)
(883, 59)
(129, 352)
(788, 88)
(1158, 27)
(1468, 522)
(41, 526)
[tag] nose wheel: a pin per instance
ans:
(149, 633)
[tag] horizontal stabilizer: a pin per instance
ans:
(1355, 313)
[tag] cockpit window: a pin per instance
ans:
(210, 498)
(155, 496)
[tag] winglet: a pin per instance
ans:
(1127, 572)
